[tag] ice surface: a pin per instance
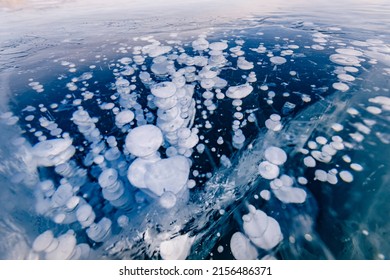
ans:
(142, 156)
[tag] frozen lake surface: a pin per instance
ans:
(196, 130)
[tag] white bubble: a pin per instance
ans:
(290, 194)
(321, 175)
(53, 152)
(321, 156)
(239, 92)
(43, 241)
(351, 52)
(124, 117)
(273, 125)
(345, 60)
(278, 60)
(65, 249)
(356, 167)
(331, 178)
(265, 194)
(374, 110)
(346, 77)
(309, 161)
(340, 86)
(244, 64)
(200, 44)
(275, 155)
(241, 247)
(321, 140)
(268, 170)
(167, 200)
(346, 176)
(352, 111)
(302, 180)
(169, 174)
(346, 158)
(351, 69)
(137, 170)
(163, 89)
(144, 140)
(218, 46)
(177, 248)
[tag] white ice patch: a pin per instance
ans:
(374, 110)
(155, 51)
(218, 46)
(243, 64)
(144, 140)
(137, 170)
(346, 176)
(43, 241)
(356, 167)
(124, 117)
(53, 152)
(200, 44)
(239, 92)
(167, 200)
(351, 52)
(101, 231)
(288, 194)
(275, 155)
(163, 89)
(345, 60)
(340, 86)
(264, 231)
(241, 247)
(268, 170)
(177, 248)
(273, 123)
(62, 248)
(278, 60)
(169, 174)
(346, 77)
